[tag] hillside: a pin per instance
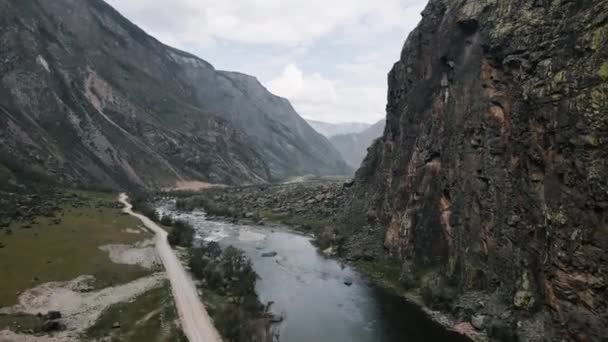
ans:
(353, 147)
(87, 98)
(332, 129)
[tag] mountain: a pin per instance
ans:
(88, 98)
(331, 129)
(490, 183)
(353, 147)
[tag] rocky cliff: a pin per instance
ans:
(490, 183)
(88, 98)
(353, 147)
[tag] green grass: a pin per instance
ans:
(5, 173)
(603, 72)
(21, 323)
(387, 271)
(150, 317)
(47, 252)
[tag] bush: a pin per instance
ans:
(182, 234)
(166, 220)
(228, 271)
(148, 211)
(140, 204)
(229, 274)
(207, 204)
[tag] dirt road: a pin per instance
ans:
(195, 321)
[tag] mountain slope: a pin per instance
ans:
(353, 147)
(490, 181)
(88, 98)
(289, 145)
(330, 129)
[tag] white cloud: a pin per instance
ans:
(318, 98)
(328, 57)
(292, 22)
(294, 85)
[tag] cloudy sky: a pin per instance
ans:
(330, 58)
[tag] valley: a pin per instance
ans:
(148, 195)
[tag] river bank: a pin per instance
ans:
(320, 209)
(271, 237)
(194, 318)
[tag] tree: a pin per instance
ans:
(182, 234)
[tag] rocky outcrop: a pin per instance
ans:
(88, 98)
(353, 147)
(490, 181)
(308, 201)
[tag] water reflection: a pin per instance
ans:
(312, 292)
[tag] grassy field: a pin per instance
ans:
(5, 173)
(151, 317)
(21, 323)
(60, 251)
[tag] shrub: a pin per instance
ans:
(182, 234)
(166, 220)
(231, 275)
(210, 206)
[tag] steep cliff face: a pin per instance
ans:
(491, 179)
(88, 98)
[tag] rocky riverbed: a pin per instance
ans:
(321, 209)
(304, 288)
(320, 199)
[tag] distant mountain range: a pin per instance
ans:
(88, 98)
(331, 129)
(353, 147)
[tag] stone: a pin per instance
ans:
(274, 318)
(115, 325)
(52, 325)
(479, 322)
(52, 315)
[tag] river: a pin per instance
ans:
(309, 289)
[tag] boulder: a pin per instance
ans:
(52, 325)
(52, 315)
(479, 322)
(275, 318)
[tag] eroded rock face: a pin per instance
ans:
(88, 98)
(492, 171)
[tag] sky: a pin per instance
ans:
(330, 58)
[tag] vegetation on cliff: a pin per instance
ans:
(489, 183)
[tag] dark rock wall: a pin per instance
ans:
(492, 172)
